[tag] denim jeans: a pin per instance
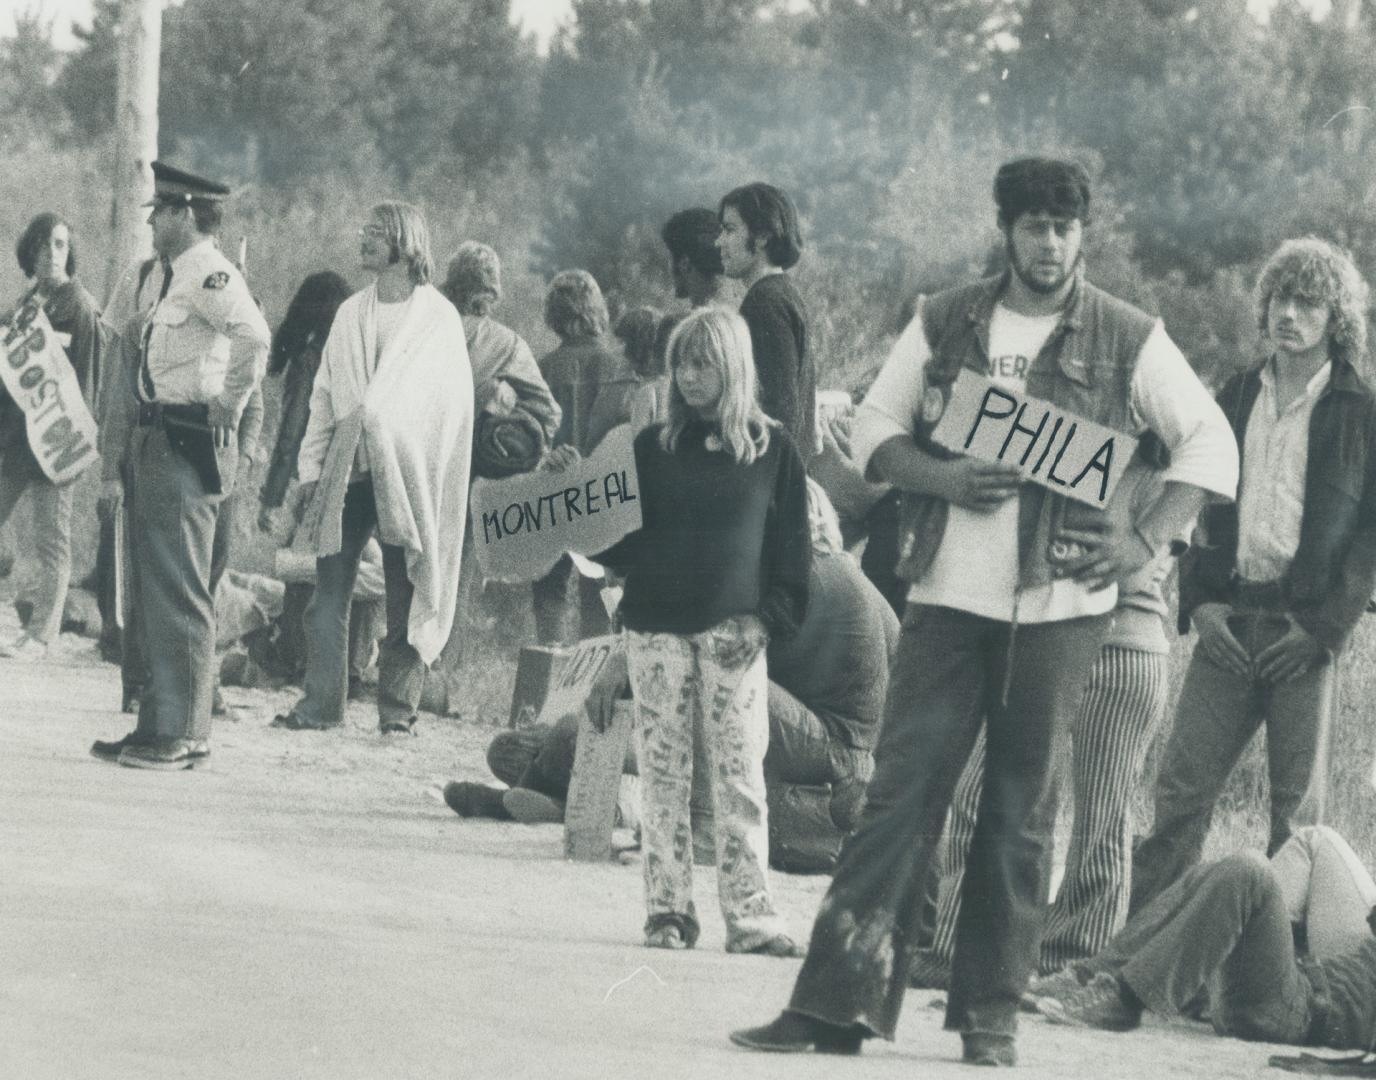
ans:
(50, 541)
(1223, 928)
(401, 673)
(1218, 713)
(948, 679)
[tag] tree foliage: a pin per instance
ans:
(1212, 133)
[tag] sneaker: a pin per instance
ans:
(1058, 984)
(532, 807)
(1099, 1005)
(929, 972)
(988, 1048)
(794, 1033)
(665, 937)
(292, 721)
(468, 800)
(780, 945)
(111, 750)
(166, 754)
(24, 648)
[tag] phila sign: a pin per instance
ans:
(1066, 453)
(37, 374)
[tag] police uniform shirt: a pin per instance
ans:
(208, 340)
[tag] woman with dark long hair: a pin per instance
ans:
(295, 354)
(47, 256)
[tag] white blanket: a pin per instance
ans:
(414, 412)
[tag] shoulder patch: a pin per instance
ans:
(217, 280)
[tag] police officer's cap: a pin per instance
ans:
(177, 187)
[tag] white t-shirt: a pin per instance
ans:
(976, 564)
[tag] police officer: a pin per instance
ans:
(204, 352)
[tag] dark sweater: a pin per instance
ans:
(783, 363)
(838, 662)
(717, 539)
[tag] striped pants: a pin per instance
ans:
(1122, 706)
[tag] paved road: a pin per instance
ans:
(307, 907)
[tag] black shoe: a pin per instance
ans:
(988, 1048)
(110, 751)
(398, 727)
(468, 799)
(794, 1033)
(168, 754)
(292, 722)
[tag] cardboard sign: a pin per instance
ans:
(595, 786)
(40, 378)
(573, 674)
(1055, 448)
(523, 524)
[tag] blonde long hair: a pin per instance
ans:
(718, 338)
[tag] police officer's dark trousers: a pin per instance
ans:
(174, 529)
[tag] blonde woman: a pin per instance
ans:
(719, 564)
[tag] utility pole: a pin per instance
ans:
(136, 133)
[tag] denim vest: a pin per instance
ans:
(1085, 367)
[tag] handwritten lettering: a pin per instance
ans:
(38, 376)
(1082, 459)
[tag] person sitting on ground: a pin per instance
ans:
(1284, 951)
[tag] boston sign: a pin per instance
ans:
(37, 374)
(1052, 447)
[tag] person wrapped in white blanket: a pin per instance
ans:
(387, 449)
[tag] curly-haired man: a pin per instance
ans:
(1285, 572)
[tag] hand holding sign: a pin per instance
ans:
(981, 486)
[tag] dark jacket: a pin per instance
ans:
(784, 367)
(1330, 579)
(1086, 367)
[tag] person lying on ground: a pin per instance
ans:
(1283, 951)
